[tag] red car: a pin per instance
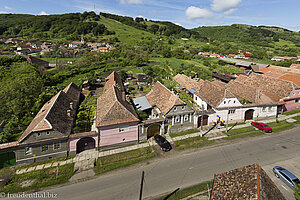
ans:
(262, 126)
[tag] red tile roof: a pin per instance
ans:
(114, 79)
(53, 115)
(163, 98)
(113, 109)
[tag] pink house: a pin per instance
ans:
(116, 120)
(82, 141)
(293, 101)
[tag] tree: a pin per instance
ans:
(153, 28)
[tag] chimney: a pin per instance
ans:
(71, 105)
(69, 113)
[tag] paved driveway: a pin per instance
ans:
(293, 165)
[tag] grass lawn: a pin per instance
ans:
(190, 131)
(193, 142)
(280, 126)
(239, 130)
(41, 178)
(46, 161)
(240, 123)
(111, 162)
(244, 134)
(185, 192)
(291, 112)
(298, 119)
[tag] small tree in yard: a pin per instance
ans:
(297, 191)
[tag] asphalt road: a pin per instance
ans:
(183, 170)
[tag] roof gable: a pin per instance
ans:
(112, 109)
(163, 98)
(53, 114)
(114, 79)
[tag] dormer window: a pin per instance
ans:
(175, 108)
(183, 107)
(48, 133)
(39, 134)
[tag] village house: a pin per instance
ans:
(47, 135)
(116, 119)
(220, 101)
(168, 113)
(281, 91)
(248, 182)
(74, 44)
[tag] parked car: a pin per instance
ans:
(286, 176)
(163, 143)
(262, 126)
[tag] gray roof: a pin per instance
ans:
(262, 65)
(141, 103)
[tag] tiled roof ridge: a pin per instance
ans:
(121, 101)
(44, 118)
(115, 97)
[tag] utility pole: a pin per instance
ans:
(142, 183)
(227, 120)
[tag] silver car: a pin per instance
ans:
(286, 176)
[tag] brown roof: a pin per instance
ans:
(212, 94)
(53, 115)
(163, 98)
(249, 182)
(295, 66)
(84, 134)
(36, 61)
(218, 83)
(241, 78)
(114, 79)
(254, 95)
(113, 109)
(187, 82)
(293, 78)
(280, 88)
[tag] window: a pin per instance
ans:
(231, 111)
(182, 107)
(224, 102)
(264, 109)
(28, 150)
(124, 129)
(234, 101)
(196, 98)
(229, 101)
(297, 100)
(177, 119)
(56, 146)
(175, 108)
(186, 118)
(45, 148)
(270, 108)
(38, 134)
(48, 133)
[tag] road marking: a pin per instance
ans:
(284, 187)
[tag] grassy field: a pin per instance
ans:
(244, 134)
(292, 112)
(185, 192)
(190, 131)
(53, 60)
(112, 162)
(40, 178)
(194, 142)
(280, 126)
(239, 130)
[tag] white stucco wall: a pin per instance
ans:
(230, 102)
(200, 102)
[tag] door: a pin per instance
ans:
(205, 120)
(249, 114)
(85, 143)
(152, 130)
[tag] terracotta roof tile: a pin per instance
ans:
(163, 98)
(293, 78)
(114, 79)
(241, 78)
(248, 182)
(213, 94)
(254, 95)
(295, 66)
(53, 115)
(280, 88)
(187, 82)
(112, 109)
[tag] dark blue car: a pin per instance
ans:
(286, 176)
